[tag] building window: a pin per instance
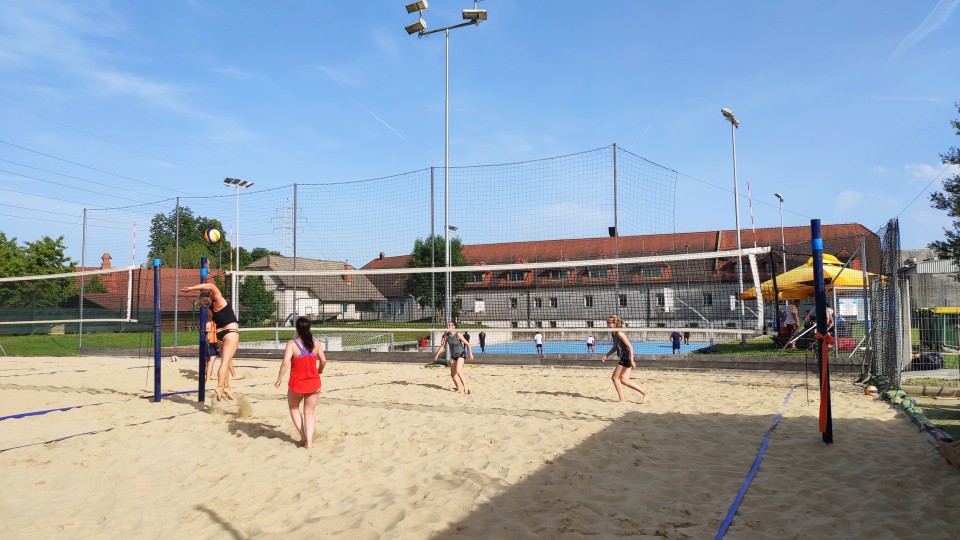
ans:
(588, 301)
(598, 273)
(539, 324)
(554, 302)
(707, 299)
(651, 272)
(558, 274)
(401, 308)
(514, 324)
(513, 302)
(538, 302)
(479, 306)
(553, 324)
(661, 300)
(589, 324)
(623, 300)
(516, 275)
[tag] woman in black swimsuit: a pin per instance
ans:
(459, 348)
(228, 334)
(623, 348)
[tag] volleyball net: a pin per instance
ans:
(696, 293)
(104, 300)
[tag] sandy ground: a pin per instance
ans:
(532, 453)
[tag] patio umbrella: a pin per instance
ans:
(797, 284)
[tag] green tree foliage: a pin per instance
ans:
(163, 240)
(95, 285)
(258, 303)
(41, 257)
(423, 287)
(949, 200)
(247, 257)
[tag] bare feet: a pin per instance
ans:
(645, 400)
(226, 392)
(219, 392)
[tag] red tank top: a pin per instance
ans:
(304, 378)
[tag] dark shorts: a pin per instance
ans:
(212, 350)
(222, 333)
(625, 362)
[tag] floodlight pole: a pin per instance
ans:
(783, 251)
(734, 123)
(236, 183)
(448, 288)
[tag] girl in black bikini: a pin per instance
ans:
(227, 332)
(623, 348)
(459, 347)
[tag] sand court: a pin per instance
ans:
(532, 453)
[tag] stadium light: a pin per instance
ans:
(417, 6)
(734, 124)
(237, 184)
(783, 251)
(783, 243)
(473, 17)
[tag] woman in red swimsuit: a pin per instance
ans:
(302, 356)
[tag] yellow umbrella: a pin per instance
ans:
(797, 284)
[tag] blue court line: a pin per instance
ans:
(47, 373)
(38, 413)
(753, 471)
(95, 432)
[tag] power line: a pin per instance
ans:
(48, 197)
(925, 188)
(93, 134)
(82, 165)
(69, 186)
(78, 178)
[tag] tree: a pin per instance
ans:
(258, 303)
(41, 257)
(949, 200)
(247, 257)
(163, 239)
(424, 287)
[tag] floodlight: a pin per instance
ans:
(236, 182)
(779, 196)
(417, 6)
(728, 114)
(417, 27)
(475, 14)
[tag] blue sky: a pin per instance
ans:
(845, 107)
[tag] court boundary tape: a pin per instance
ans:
(753, 470)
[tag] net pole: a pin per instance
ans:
(176, 278)
(83, 258)
(156, 330)
(823, 350)
(204, 355)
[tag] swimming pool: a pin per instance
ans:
(579, 347)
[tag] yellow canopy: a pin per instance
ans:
(797, 284)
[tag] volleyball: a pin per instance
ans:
(871, 391)
(211, 235)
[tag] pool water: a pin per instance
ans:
(579, 347)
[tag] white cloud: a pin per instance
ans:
(234, 73)
(848, 200)
(922, 171)
(940, 14)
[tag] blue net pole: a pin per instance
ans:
(156, 330)
(204, 346)
(823, 348)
